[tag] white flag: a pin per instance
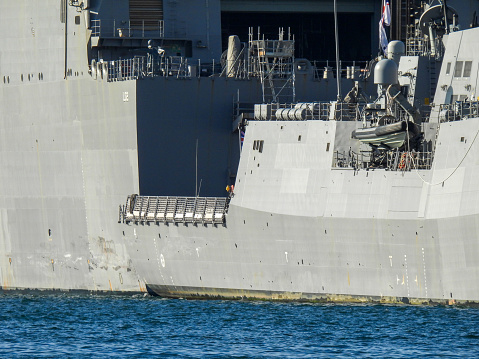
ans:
(383, 39)
(385, 21)
(386, 13)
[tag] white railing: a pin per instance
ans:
(143, 209)
(459, 110)
(390, 160)
(322, 111)
(127, 29)
(150, 66)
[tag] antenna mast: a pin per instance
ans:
(338, 72)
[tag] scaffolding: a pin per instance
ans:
(273, 62)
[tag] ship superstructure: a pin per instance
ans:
(353, 201)
(101, 99)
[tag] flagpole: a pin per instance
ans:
(196, 170)
(385, 21)
(391, 16)
(338, 72)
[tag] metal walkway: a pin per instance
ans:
(143, 209)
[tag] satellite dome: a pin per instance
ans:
(386, 73)
(395, 50)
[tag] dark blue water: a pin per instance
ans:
(102, 326)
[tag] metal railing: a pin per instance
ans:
(152, 209)
(347, 69)
(407, 161)
(323, 111)
(419, 45)
(351, 159)
(327, 111)
(127, 29)
(150, 66)
(128, 69)
(390, 160)
(458, 110)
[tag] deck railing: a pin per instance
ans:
(390, 160)
(152, 209)
(459, 110)
(149, 66)
(127, 29)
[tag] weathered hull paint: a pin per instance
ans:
(195, 293)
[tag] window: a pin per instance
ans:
(467, 69)
(258, 145)
(448, 68)
(458, 70)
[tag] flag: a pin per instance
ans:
(386, 13)
(242, 138)
(383, 39)
(385, 21)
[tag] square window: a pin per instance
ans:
(467, 69)
(458, 70)
(448, 68)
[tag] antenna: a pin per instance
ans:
(444, 8)
(199, 189)
(338, 72)
(196, 170)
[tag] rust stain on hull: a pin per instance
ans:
(239, 294)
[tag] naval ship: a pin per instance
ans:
(103, 98)
(371, 197)
(345, 182)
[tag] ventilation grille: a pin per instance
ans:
(147, 12)
(63, 15)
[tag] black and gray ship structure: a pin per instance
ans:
(122, 123)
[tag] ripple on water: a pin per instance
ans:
(73, 325)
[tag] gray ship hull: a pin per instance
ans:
(72, 153)
(385, 236)
(77, 136)
(74, 142)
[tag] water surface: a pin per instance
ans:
(137, 326)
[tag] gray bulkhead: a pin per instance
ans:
(299, 229)
(67, 156)
(71, 140)
(458, 77)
